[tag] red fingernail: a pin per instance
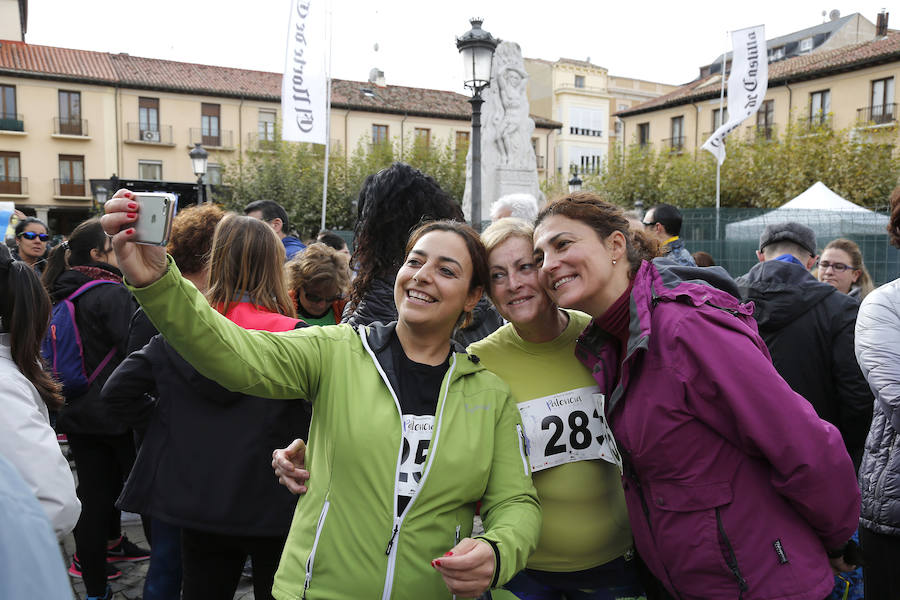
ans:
(128, 194)
(129, 231)
(131, 215)
(449, 554)
(432, 563)
(132, 205)
(437, 562)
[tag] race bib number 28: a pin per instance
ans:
(568, 427)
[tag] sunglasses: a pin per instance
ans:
(316, 299)
(30, 235)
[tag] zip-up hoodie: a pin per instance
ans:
(345, 540)
(735, 488)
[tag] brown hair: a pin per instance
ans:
(25, 314)
(247, 258)
(856, 259)
(893, 226)
(703, 259)
(477, 254)
(192, 234)
(318, 264)
(605, 219)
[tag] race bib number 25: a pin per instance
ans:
(568, 427)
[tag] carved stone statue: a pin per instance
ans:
(508, 163)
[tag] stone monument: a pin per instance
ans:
(508, 164)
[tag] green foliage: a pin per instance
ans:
(291, 174)
(860, 165)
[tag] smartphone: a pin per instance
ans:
(155, 216)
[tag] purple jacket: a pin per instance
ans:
(735, 488)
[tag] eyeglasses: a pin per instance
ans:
(648, 224)
(30, 235)
(838, 267)
(316, 299)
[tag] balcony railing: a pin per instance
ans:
(878, 114)
(762, 132)
(11, 122)
(539, 160)
(69, 187)
(814, 123)
(255, 141)
(13, 185)
(223, 140)
(70, 126)
(161, 135)
(674, 144)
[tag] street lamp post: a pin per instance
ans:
(100, 197)
(199, 157)
(575, 182)
(477, 49)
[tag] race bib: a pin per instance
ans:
(416, 439)
(568, 427)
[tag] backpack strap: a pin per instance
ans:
(87, 286)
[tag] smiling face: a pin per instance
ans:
(515, 289)
(432, 286)
(842, 280)
(576, 266)
(31, 250)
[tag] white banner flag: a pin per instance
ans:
(304, 87)
(747, 84)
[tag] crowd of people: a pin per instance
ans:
(568, 405)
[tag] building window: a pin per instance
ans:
(71, 175)
(379, 134)
(9, 120)
(266, 125)
(462, 144)
(150, 170)
(806, 44)
(622, 107)
(819, 106)
(579, 81)
(882, 108)
(719, 117)
(148, 119)
(213, 174)
(765, 119)
(585, 159)
(586, 121)
(10, 178)
(776, 53)
(643, 131)
(677, 131)
(70, 113)
(209, 125)
(423, 136)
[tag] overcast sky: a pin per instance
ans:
(663, 41)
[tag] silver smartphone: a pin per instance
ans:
(157, 209)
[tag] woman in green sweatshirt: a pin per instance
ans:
(408, 433)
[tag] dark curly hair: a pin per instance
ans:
(391, 203)
(192, 235)
(604, 218)
(893, 227)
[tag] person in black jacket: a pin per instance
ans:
(808, 328)
(103, 448)
(197, 426)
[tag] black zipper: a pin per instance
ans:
(730, 558)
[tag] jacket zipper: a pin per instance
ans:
(312, 553)
(731, 558)
(391, 549)
(455, 542)
(522, 452)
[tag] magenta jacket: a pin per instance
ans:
(735, 488)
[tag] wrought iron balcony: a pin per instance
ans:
(878, 114)
(264, 142)
(136, 133)
(13, 185)
(674, 144)
(222, 140)
(11, 122)
(63, 126)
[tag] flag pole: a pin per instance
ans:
(721, 122)
(327, 127)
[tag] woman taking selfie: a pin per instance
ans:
(228, 513)
(735, 488)
(408, 435)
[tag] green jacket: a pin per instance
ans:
(345, 541)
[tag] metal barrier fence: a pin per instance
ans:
(738, 235)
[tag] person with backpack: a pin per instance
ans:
(103, 448)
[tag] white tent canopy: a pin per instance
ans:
(825, 212)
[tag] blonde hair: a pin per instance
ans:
(501, 230)
(247, 259)
(856, 259)
(316, 265)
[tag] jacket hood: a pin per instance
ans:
(674, 273)
(69, 281)
(378, 339)
(781, 292)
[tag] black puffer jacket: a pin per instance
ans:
(878, 351)
(376, 307)
(808, 328)
(102, 315)
(205, 461)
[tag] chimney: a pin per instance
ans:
(881, 24)
(376, 77)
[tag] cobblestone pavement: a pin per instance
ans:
(130, 585)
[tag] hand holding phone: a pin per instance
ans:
(154, 217)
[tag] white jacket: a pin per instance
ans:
(29, 443)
